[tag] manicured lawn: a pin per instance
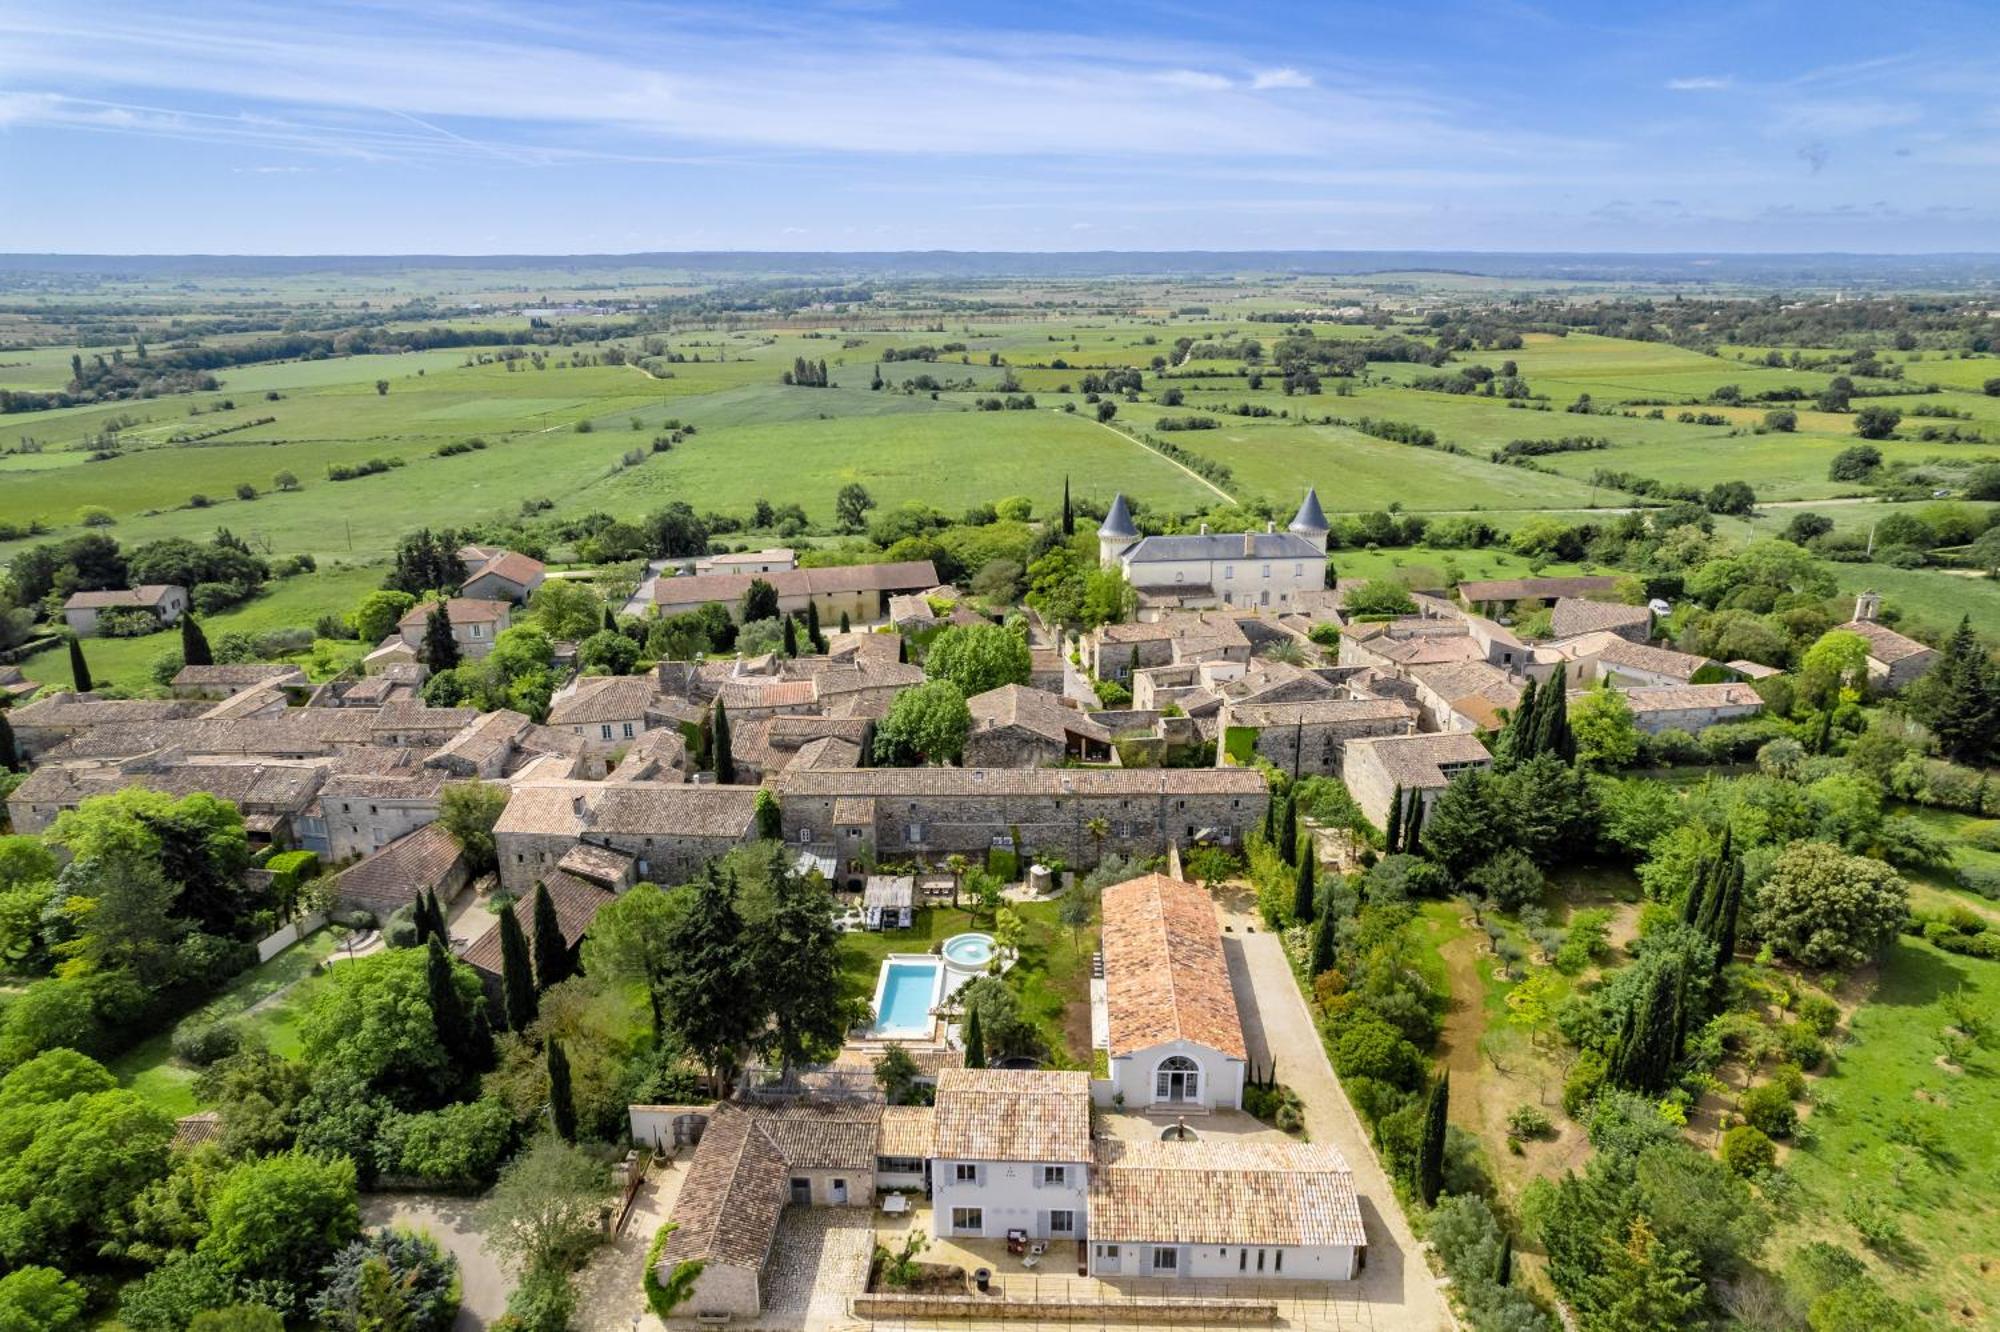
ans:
(1895, 1129)
(150, 1069)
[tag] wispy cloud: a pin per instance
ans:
(1283, 77)
(1700, 83)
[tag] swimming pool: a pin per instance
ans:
(905, 993)
(970, 952)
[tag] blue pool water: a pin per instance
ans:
(970, 950)
(903, 1002)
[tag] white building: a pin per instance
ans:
(1249, 569)
(1225, 1210)
(1175, 1038)
(1010, 1150)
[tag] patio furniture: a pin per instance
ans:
(1038, 1248)
(1031, 1261)
(1017, 1241)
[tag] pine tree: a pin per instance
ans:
(10, 754)
(1288, 832)
(1413, 826)
(552, 959)
(975, 1041)
(79, 669)
(1430, 1149)
(1394, 839)
(440, 650)
(791, 638)
(1648, 1046)
(1959, 698)
(1325, 942)
(562, 1100)
(194, 644)
(457, 1033)
(1069, 514)
(1517, 738)
(1302, 892)
(517, 977)
(724, 759)
(813, 638)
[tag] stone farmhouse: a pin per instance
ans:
(777, 559)
(667, 830)
(1268, 569)
(1895, 661)
(1690, 708)
(1374, 770)
(1015, 726)
(858, 591)
(163, 600)
(475, 623)
(1492, 597)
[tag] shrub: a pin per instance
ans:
(205, 1043)
(1981, 879)
(1528, 1121)
(1769, 1109)
(544, 1300)
(1801, 1045)
(1748, 1150)
(1586, 1078)
(1819, 1013)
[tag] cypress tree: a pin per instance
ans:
(1302, 892)
(1430, 1150)
(610, 620)
(1517, 738)
(1325, 942)
(902, 650)
(440, 925)
(975, 1041)
(1552, 733)
(1394, 838)
(845, 626)
(457, 1033)
(517, 977)
(552, 959)
(1959, 697)
(1647, 1049)
(1288, 832)
(420, 916)
(1724, 933)
(723, 758)
(1069, 514)
(194, 644)
(1413, 826)
(10, 755)
(440, 650)
(562, 1100)
(1822, 740)
(79, 669)
(812, 626)
(791, 638)
(1503, 1266)
(1271, 819)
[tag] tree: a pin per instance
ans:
(194, 643)
(371, 1019)
(851, 506)
(1877, 422)
(1325, 941)
(769, 815)
(562, 1100)
(975, 1041)
(1510, 878)
(1649, 1043)
(414, 1285)
(1288, 831)
(1837, 660)
(630, 940)
(517, 977)
(280, 1219)
(543, 1212)
(1068, 513)
(979, 657)
(467, 811)
(794, 963)
(707, 976)
(40, 1299)
(10, 754)
(567, 610)
(553, 964)
(1959, 698)
(1781, 420)
(79, 669)
(1824, 908)
(439, 650)
(1393, 835)
(1106, 410)
(1857, 462)
(1517, 737)
(760, 602)
(1645, 1284)
(1552, 732)
(1606, 736)
(721, 748)
(1302, 889)
(1430, 1148)
(928, 723)
(460, 1027)
(378, 613)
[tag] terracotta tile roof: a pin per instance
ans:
(598, 864)
(701, 589)
(66, 709)
(1675, 698)
(1574, 615)
(571, 808)
(816, 1135)
(1753, 670)
(145, 595)
(191, 1131)
(237, 675)
(1205, 628)
(829, 751)
(1034, 710)
(1469, 679)
(1608, 647)
(577, 902)
(393, 876)
(1000, 782)
(460, 610)
(1885, 644)
(1419, 760)
(1281, 1194)
(1165, 976)
(906, 1131)
(1539, 589)
(510, 565)
(1320, 712)
(605, 698)
(999, 1114)
(794, 730)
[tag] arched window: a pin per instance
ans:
(1177, 1079)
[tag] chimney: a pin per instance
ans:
(1269, 527)
(1204, 529)
(1249, 544)
(1867, 606)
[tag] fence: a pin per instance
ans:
(285, 936)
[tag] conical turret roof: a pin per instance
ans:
(1118, 522)
(1310, 517)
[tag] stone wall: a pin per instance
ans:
(935, 825)
(1165, 1312)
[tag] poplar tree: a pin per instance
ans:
(562, 1100)
(975, 1042)
(719, 751)
(1430, 1149)
(517, 977)
(1394, 837)
(79, 669)
(552, 959)
(1413, 826)
(194, 644)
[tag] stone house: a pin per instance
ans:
(1114, 651)
(1175, 1039)
(475, 623)
(1465, 695)
(1374, 770)
(427, 860)
(364, 808)
(1011, 1150)
(859, 591)
(670, 830)
(496, 574)
(605, 711)
(1016, 726)
(1306, 739)
(1622, 663)
(165, 601)
(220, 682)
(776, 559)
(1572, 616)
(1495, 596)
(1690, 708)
(1264, 570)
(56, 718)
(1894, 660)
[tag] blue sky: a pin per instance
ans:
(478, 126)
